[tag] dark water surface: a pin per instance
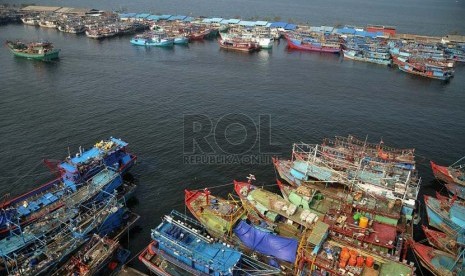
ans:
(108, 87)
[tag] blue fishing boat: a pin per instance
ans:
(69, 194)
(181, 40)
(28, 207)
(445, 215)
(86, 163)
(152, 40)
(101, 218)
(183, 245)
(368, 56)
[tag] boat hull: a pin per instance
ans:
(181, 40)
(297, 45)
(143, 42)
(238, 46)
(408, 69)
(45, 57)
(364, 59)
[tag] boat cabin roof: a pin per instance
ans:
(219, 257)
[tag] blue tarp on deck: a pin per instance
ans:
(177, 17)
(278, 24)
(212, 20)
(290, 27)
(247, 23)
(266, 243)
(345, 30)
(153, 17)
(165, 16)
(230, 21)
(142, 15)
(127, 15)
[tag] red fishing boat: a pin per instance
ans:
(440, 240)
(436, 261)
(307, 45)
(239, 45)
(455, 173)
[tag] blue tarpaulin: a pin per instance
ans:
(266, 243)
(290, 27)
(177, 17)
(278, 25)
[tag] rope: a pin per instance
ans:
(418, 263)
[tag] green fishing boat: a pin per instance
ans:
(34, 50)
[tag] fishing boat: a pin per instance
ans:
(456, 190)
(48, 23)
(72, 28)
(30, 20)
(355, 149)
(320, 196)
(101, 218)
(312, 45)
(181, 244)
(34, 50)
(372, 57)
(264, 41)
(34, 207)
(289, 219)
(82, 171)
(217, 215)
(152, 40)
(91, 258)
(354, 227)
(439, 262)
(198, 32)
(238, 45)
(224, 220)
(180, 40)
(358, 171)
(444, 215)
(427, 70)
(453, 174)
(111, 152)
(44, 222)
(319, 254)
(442, 241)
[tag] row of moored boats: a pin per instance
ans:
(345, 207)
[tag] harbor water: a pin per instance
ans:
(147, 96)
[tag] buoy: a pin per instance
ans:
(342, 263)
(363, 222)
(352, 261)
(357, 216)
(353, 253)
(345, 255)
(360, 261)
(369, 261)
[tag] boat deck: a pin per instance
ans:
(378, 234)
(219, 257)
(270, 201)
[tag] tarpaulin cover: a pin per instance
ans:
(266, 243)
